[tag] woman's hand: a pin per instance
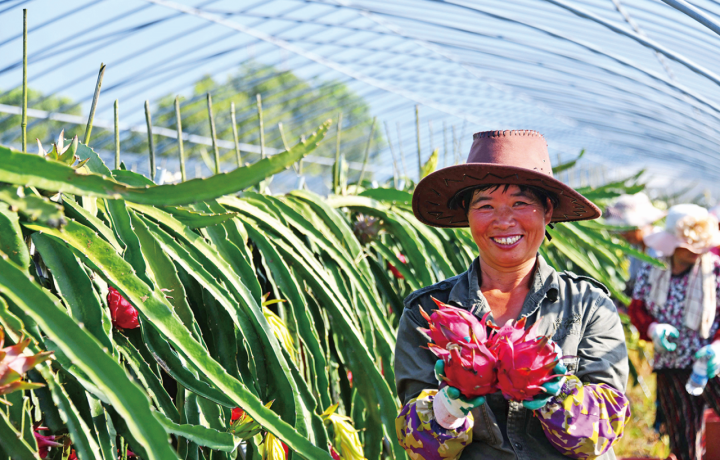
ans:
(659, 333)
(450, 406)
(712, 354)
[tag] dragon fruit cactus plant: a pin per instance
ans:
(525, 360)
(459, 339)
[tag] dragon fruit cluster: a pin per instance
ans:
(510, 358)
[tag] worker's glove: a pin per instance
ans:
(660, 334)
(712, 354)
(450, 406)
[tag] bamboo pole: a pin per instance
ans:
(336, 167)
(181, 149)
(402, 154)
(262, 128)
(367, 151)
(396, 173)
(151, 148)
(96, 97)
(297, 166)
(417, 129)
(213, 134)
(23, 120)
(117, 134)
(235, 134)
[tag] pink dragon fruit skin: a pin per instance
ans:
(459, 340)
(450, 324)
(525, 361)
(472, 370)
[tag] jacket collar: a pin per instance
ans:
(466, 292)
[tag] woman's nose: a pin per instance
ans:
(504, 217)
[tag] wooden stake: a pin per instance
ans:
(262, 129)
(367, 151)
(178, 125)
(23, 120)
(235, 134)
(336, 167)
(96, 97)
(117, 134)
(396, 173)
(151, 147)
(402, 154)
(213, 134)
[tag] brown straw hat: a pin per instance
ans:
(518, 157)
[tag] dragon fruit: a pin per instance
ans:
(525, 360)
(459, 338)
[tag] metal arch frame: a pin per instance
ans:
(669, 101)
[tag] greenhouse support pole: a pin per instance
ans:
(396, 173)
(178, 125)
(23, 120)
(96, 97)
(117, 134)
(455, 146)
(417, 129)
(336, 165)
(367, 151)
(235, 134)
(695, 13)
(148, 121)
(213, 134)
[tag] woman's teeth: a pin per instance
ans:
(508, 240)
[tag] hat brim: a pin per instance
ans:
(666, 243)
(432, 196)
(639, 219)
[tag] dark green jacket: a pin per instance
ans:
(575, 311)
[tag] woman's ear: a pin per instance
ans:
(549, 209)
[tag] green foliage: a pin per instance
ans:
(205, 263)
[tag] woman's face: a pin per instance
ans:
(507, 226)
(683, 258)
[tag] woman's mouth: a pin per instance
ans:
(506, 241)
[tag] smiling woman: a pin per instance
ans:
(507, 196)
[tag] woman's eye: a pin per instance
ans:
(520, 203)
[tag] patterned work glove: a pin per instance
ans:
(712, 352)
(552, 387)
(450, 406)
(659, 334)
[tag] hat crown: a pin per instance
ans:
(680, 211)
(521, 148)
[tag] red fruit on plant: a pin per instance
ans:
(237, 414)
(459, 340)
(73, 455)
(334, 453)
(123, 314)
(525, 361)
(396, 273)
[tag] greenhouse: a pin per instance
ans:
(353, 229)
